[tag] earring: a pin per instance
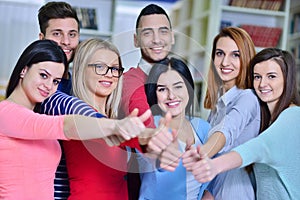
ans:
(21, 75)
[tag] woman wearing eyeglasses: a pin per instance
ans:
(97, 171)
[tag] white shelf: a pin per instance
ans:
(294, 36)
(253, 11)
(85, 33)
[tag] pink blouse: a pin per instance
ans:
(29, 152)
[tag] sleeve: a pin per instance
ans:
(30, 125)
(202, 128)
(273, 145)
(133, 94)
(245, 110)
(62, 104)
(139, 100)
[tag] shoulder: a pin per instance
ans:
(291, 113)
(247, 94)
(133, 71)
(199, 121)
(246, 98)
(201, 127)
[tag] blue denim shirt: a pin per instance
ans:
(237, 116)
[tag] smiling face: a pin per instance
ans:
(65, 32)
(227, 61)
(154, 37)
(172, 93)
(41, 80)
(101, 86)
(268, 82)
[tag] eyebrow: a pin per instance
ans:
(48, 73)
(234, 51)
(150, 29)
(177, 83)
(60, 30)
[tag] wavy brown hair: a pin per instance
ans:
(247, 51)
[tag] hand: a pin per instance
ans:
(190, 157)
(170, 157)
(161, 137)
(204, 169)
(113, 140)
(132, 125)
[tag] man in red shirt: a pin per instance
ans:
(154, 37)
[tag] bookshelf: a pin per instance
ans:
(196, 23)
(294, 36)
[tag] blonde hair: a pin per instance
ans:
(247, 51)
(83, 55)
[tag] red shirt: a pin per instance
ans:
(96, 171)
(134, 96)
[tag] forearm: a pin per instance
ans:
(227, 161)
(214, 144)
(79, 127)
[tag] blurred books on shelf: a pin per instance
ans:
(258, 4)
(263, 36)
(87, 18)
(296, 51)
(295, 23)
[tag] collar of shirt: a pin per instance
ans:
(145, 66)
(230, 95)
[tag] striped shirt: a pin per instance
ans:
(62, 104)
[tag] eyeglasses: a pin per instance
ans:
(102, 69)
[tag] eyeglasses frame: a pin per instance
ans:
(120, 70)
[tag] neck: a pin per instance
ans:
(177, 121)
(18, 97)
(99, 104)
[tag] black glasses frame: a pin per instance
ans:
(120, 69)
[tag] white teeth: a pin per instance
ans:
(173, 103)
(157, 48)
(105, 83)
(226, 70)
(265, 91)
(67, 51)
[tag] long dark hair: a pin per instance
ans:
(290, 91)
(162, 67)
(38, 51)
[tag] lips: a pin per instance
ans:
(105, 83)
(265, 91)
(173, 104)
(67, 51)
(44, 93)
(226, 70)
(157, 49)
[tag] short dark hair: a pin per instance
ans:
(162, 67)
(55, 10)
(289, 70)
(38, 51)
(152, 9)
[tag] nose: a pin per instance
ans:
(156, 37)
(263, 82)
(171, 95)
(109, 73)
(48, 84)
(65, 39)
(226, 61)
